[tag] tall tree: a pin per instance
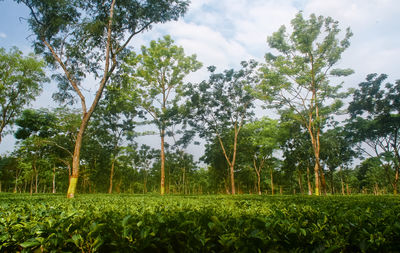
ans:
(298, 78)
(375, 121)
(86, 39)
(21, 79)
(223, 104)
(157, 76)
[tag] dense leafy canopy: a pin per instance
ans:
(21, 80)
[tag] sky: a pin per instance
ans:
(225, 32)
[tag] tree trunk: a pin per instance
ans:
(36, 177)
(396, 180)
(258, 172)
(272, 181)
(31, 190)
(232, 167)
(316, 175)
(111, 176)
(54, 179)
(323, 181)
(162, 186)
(300, 182)
(309, 181)
(16, 182)
(341, 179)
(73, 181)
(332, 188)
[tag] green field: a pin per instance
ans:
(244, 223)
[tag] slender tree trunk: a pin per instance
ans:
(183, 180)
(232, 167)
(36, 176)
(31, 190)
(300, 182)
(332, 188)
(111, 176)
(316, 175)
(341, 179)
(272, 181)
(396, 180)
(16, 182)
(54, 179)
(162, 186)
(323, 181)
(309, 181)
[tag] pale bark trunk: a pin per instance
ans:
(396, 180)
(309, 181)
(316, 175)
(54, 179)
(75, 159)
(162, 186)
(111, 176)
(341, 179)
(300, 182)
(332, 188)
(234, 160)
(272, 182)
(31, 189)
(16, 182)
(36, 177)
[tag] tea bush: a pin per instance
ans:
(243, 223)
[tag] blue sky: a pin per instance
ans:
(225, 32)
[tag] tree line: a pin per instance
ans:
(304, 148)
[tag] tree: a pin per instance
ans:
(21, 80)
(263, 137)
(157, 76)
(375, 121)
(298, 78)
(296, 148)
(336, 150)
(113, 123)
(86, 39)
(222, 104)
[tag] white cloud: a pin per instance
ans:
(3, 35)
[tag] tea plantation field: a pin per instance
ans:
(244, 223)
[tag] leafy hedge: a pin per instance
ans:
(149, 223)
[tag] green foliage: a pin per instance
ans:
(100, 223)
(156, 78)
(375, 122)
(21, 79)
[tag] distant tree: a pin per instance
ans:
(113, 124)
(336, 150)
(223, 104)
(298, 78)
(21, 79)
(375, 121)
(157, 77)
(263, 136)
(86, 39)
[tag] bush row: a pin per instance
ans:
(149, 223)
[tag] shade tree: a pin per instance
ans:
(298, 77)
(221, 104)
(87, 39)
